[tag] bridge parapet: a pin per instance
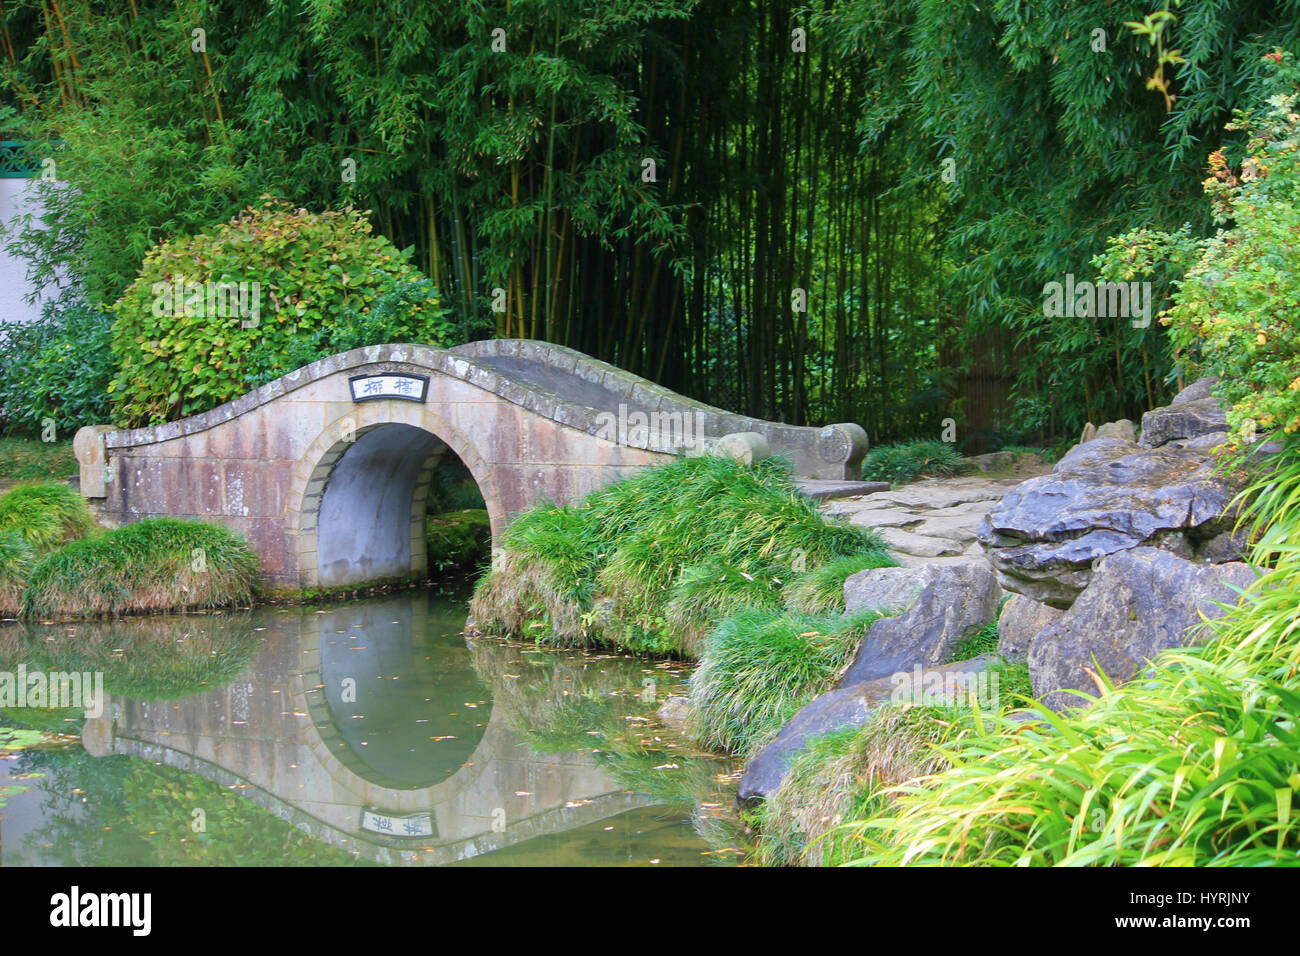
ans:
(575, 379)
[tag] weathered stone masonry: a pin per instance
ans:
(331, 492)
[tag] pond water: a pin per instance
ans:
(371, 732)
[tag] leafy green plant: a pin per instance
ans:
(152, 565)
(400, 314)
(57, 370)
(458, 541)
(907, 461)
(1235, 313)
(316, 273)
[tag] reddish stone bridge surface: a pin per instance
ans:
(326, 470)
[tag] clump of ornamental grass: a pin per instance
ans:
(541, 578)
(45, 515)
(821, 590)
(157, 564)
(1195, 764)
(16, 560)
(841, 776)
(907, 461)
(649, 562)
(709, 590)
(760, 667)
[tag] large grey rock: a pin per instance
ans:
(841, 709)
(1201, 388)
(1019, 623)
(1192, 419)
(1109, 495)
(1139, 602)
(1123, 429)
(941, 604)
(883, 589)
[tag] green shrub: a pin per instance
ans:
(760, 667)
(319, 273)
(153, 565)
(821, 590)
(907, 461)
(45, 515)
(399, 314)
(624, 566)
(57, 370)
(1234, 314)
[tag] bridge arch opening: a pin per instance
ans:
(363, 508)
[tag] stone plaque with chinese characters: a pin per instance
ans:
(365, 388)
(392, 824)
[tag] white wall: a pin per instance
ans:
(17, 196)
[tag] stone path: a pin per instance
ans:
(932, 521)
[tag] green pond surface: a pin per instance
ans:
(367, 733)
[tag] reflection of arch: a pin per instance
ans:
(321, 673)
(378, 458)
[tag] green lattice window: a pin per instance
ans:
(18, 159)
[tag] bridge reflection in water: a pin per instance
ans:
(376, 727)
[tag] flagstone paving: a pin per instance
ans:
(931, 521)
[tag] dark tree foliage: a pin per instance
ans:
(742, 200)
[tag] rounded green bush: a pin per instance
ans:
(309, 278)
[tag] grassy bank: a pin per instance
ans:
(24, 459)
(652, 562)
(760, 667)
(848, 776)
(157, 564)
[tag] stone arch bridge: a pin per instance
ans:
(326, 470)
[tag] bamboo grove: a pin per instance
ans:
(746, 201)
